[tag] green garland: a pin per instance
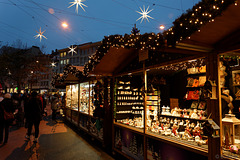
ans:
(67, 69)
(183, 27)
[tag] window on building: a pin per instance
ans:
(90, 51)
(81, 60)
(67, 61)
(85, 60)
(64, 61)
(64, 54)
(61, 54)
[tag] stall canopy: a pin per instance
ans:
(71, 74)
(115, 60)
(209, 26)
(221, 33)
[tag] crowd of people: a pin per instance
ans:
(27, 110)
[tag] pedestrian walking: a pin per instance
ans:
(55, 106)
(33, 115)
(6, 105)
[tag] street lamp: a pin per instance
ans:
(64, 25)
(162, 27)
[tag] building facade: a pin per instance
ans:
(76, 55)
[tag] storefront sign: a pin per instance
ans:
(143, 55)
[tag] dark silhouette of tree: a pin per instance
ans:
(18, 66)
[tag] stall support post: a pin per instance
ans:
(145, 110)
(107, 115)
(78, 104)
(112, 88)
(214, 145)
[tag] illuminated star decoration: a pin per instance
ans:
(78, 2)
(53, 64)
(144, 14)
(40, 34)
(72, 50)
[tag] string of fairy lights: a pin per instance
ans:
(202, 13)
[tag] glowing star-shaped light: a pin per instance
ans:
(40, 34)
(144, 14)
(72, 50)
(53, 64)
(78, 2)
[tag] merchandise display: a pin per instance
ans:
(92, 93)
(74, 99)
(84, 97)
(72, 96)
(180, 122)
(129, 104)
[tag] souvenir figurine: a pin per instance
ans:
(197, 139)
(185, 115)
(167, 132)
(174, 130)
(174, 112)
(192, 125)
(233, 149)
(163, 110)
(187, 132)
(168, 110)
(194, 114)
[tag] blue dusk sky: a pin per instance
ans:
(20, 19)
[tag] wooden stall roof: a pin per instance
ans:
(70, 78)
(116, 59)
(222, 34)
(60, 85)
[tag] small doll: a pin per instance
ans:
(174, 130)
(194, 114)
(187, 132)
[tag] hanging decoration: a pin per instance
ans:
(72, 49)
(202, 13)
(182, 28)
(40, 34)
(53, 64)
(78, 2)
(68, 69)
(144, 14)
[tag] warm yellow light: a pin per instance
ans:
(161, 27)
(64, 25)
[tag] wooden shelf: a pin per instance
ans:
(182, 117)
(125, 126)
(179, 143)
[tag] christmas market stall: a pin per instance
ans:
(176, 92)
(85, 101)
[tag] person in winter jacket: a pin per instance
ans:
(33, 114)
(7, 105)
(56, 104)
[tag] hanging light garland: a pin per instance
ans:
(182, 28)
(68, 69)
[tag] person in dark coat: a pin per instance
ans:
(33, 115)
(7, 104)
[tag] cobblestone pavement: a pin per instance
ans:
(56, 142)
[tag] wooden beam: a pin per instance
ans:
(213, 109)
